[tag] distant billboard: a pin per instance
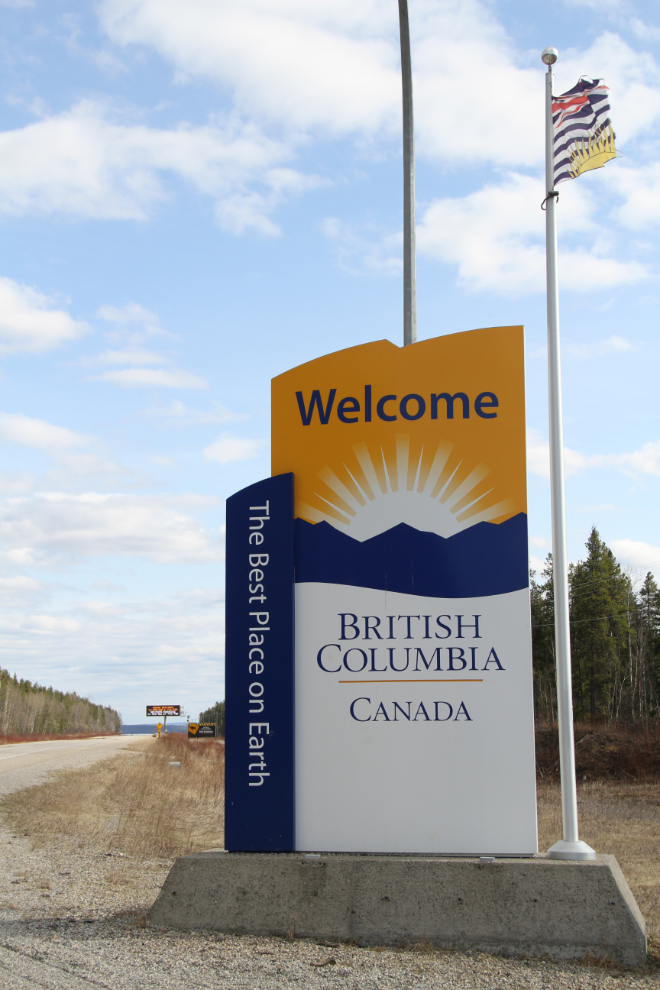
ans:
(160, 710)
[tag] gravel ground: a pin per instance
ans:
(61, 880)
(118, 954)
(74, 918)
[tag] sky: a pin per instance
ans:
(197, 195)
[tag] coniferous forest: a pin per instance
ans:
(615, 641)
(28, 709)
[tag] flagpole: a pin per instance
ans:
(409, 276)
(570, 846)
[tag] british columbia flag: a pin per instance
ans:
(583, 135)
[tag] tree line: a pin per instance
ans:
(615, 641)
(215, 714)
(28, 709)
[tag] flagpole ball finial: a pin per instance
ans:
(549, 56)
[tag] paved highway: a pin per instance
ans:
(26, 764)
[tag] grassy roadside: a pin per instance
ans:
(135, 803)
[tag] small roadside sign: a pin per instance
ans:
(159, 726)
(201, 730)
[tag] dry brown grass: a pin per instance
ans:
(621, 818)
(136, 803)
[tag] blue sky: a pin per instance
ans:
(196, 196)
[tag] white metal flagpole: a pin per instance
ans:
(570, 846)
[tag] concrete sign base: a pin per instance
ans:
(526, 907)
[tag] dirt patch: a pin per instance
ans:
(602, 752)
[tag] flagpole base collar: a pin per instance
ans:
(571, 850)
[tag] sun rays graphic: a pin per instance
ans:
(433, 490)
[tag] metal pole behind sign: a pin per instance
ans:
(570, 847)
(409, 278)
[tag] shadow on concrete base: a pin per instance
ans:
(526, 907)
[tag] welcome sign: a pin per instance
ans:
(412, 682)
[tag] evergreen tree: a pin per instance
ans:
(645, 692)
(615, 640)
(543, 644)
(602, 606)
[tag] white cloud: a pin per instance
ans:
(358, 253)
(325, 64)
(21, 592)
(81, 163)
(131, 326)
(636, 554)
(51, 528)
(537, 565)
(495, 237)
(645, 32)
(29, 320)
(133, 356)
(16, 428)
(183, 415)
(640, 190)
(21, 582)
(643, 461)
(607, 345)
(538, 457)
(611, 6)
(598, 507)
(131, 313)
(226, 450)
(49, 624)
(59, 443)
(152, 377)
(103, 585)
(463, 111)
(538, 454)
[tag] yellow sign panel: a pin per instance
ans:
(444, 417)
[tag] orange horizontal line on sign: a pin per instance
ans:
(419, 680)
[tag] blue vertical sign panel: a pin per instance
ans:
(259, 718)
